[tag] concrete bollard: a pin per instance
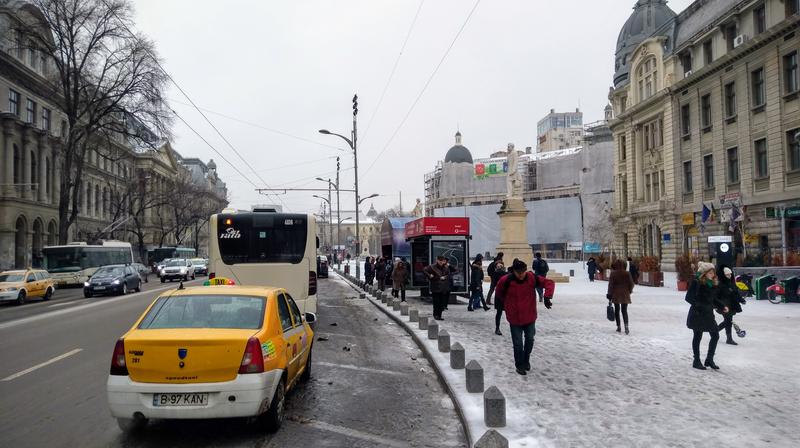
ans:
(404, 309)
(396, 304)
(413, 315)
(457, 356)
(492, 439)
(474, 373)
(361, 295)
(423, 322)
(433, 330)
(444, 341)
(572, 272)
(494, 408)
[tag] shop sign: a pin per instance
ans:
(574, 245)
(687, 219)
(720, 239)
(792, 212)
(592, 248)
(751, 239)
(730, 198)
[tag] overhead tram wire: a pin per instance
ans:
(158, 63)
(425, 87)
(391, 74)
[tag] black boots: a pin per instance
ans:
(497, 332)
(619, 330)
(710, 363)
(626, 330)
(730, 341)
(697, 364)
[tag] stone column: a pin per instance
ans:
(27, 150)
(8, 159)
(43, 180)
(56, 174)
(639, 154)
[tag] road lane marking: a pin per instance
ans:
(351, 367)
(39, 366)
(356, 434)
(56, 305)
(55, 313)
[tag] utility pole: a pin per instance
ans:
(355, 166)
(330, 219)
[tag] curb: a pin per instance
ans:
(458, 405)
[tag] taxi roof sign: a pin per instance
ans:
(217, 281)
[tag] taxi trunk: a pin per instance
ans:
(183, 356)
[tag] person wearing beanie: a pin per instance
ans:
(703, 296)
(476, 299)
(732, 298)
(517, 291)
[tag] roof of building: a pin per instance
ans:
(647, 17)
(458, 153)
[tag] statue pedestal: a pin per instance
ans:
(514, 232)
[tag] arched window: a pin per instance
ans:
(647, 74)
(52, 234)
(20, 243)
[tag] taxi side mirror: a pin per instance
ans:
(311, 318)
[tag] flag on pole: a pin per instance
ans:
(734, 217)
(704, 217)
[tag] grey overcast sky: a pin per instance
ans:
(293, 67)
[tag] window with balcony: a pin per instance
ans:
(793, 147)
(760, 19)
(13, 102)
(733, 165)
(757, 85)
(730, 100)
(790, 73)
(686, 120)
(708, 171)
(687, 177)
(705, 112)
(761, 161)
(30, 111)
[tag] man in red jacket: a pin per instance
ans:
(518, 293)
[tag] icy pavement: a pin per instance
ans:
(591, 386)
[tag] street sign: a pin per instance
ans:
(687, 219)
(720, 239)
(574, 245)
(593, 248)
(792, 212)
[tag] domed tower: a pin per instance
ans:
(458, 153)
(647, 17)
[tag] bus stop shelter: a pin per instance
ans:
(431, 237)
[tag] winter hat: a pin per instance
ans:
(478, 258)
(519, 265)
(703, 268)
(727, 271)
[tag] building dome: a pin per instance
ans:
(647, 17)
(458, 153)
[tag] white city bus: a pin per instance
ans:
(74, 263)
(266, 248)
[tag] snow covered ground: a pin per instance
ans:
(591, 386)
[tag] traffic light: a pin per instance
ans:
(355, 105)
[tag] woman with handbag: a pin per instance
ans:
(620, 287)
(703, 295)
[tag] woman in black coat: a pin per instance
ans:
(703, 295)
(732, 298)
(591, 267)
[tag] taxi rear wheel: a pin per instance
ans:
(273, 418)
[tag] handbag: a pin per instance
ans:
(610, 312)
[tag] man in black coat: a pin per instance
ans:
(541, 269)
(439, 277)
(494, 275)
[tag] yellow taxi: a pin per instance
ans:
(21, 285)
(213, 351)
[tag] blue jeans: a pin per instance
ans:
(476, 298)
(523, 349)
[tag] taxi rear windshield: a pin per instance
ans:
(262, 238)
(205, 311)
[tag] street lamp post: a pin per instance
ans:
(338, 206)
(330, 213)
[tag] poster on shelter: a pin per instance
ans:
(456, 254)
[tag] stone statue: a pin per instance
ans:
(418, 211)
(514, 179)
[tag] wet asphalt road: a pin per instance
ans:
(370, 387)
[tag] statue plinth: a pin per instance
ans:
(514, 232)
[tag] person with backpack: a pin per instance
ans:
(541, 269)
(516, 291)
(476, 299)
(440, 279)
(491, 270)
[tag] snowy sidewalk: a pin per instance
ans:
(593, 387)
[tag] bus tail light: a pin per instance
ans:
(312, 283)
(253, 359)
(118, 366)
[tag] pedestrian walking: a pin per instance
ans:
(732, 298)
(499, 272)
(491, 271)
(634, 270)
(369, 270)
(591, 267)
(541, 269)
(620, 287)
(400, 275)
(439, 277)
(703, 295)
(388, 275)
(380, 273)
(476, 299)
(516, 291)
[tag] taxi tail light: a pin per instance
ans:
(253, 360)
(312, 283)
(212, 275)
(118, 366)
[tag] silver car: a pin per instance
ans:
(178, 269)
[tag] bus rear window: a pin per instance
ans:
(262, 238)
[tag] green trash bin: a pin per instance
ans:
(762, 283)
(790, 285)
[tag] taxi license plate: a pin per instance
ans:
(99, 288)
(180, 399)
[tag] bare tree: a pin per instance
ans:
(111, 86)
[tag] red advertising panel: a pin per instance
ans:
(437, 226)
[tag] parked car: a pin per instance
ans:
(20, 285)
(113, 279)
(322, 266)
(178, 269)
(200, 266)
(144, 271)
